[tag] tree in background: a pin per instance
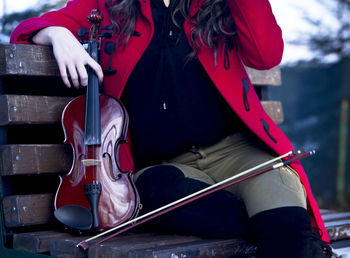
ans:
(10, 21)
(328, 40)
(331, 41)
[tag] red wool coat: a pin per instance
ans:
(258, 44)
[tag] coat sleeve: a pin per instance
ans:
(73, 16)
(259, 38)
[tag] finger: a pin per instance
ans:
(97, 68)
(82, 75)
(63, 72)
(73, 75)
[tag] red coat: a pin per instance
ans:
(258, 44)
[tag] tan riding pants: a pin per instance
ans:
(278, 188)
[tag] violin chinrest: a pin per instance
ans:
(74, 216)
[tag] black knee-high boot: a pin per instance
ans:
(217, 215)
(286, 233)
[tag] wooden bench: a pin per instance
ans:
(33, 156)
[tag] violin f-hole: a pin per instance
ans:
(75, 176)
(106, 154)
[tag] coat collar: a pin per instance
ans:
(145, 9)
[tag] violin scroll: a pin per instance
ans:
(95, 17)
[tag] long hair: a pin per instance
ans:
(213, 22)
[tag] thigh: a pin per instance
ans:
(278, 188)
(221, 214)
(243, 151)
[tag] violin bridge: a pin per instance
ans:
(91, 162)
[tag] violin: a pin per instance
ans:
(96, 194)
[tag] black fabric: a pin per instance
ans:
(172, 102)
(217, 215)
(286, 232)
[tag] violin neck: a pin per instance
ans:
(92, 133)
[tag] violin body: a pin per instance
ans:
(118, 200)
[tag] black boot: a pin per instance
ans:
(220, 214)
(286, 233)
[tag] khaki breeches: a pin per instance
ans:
(278, 188)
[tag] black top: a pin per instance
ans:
(172, 103)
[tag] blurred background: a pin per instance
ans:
(315, 88)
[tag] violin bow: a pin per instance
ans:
(254, 171)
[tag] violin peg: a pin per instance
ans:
(109, 48)
(108, 27)
(82, 32)
(107, 34)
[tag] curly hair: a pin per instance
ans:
(213, 22)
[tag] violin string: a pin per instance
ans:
(96, 99)
(91, 83)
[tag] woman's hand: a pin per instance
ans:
(70, 55)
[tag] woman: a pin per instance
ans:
(195, 118)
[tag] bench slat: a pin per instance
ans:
(270, 77)
(338, 229)
(22, 109)
(34, 60)
(120, 246)
(20, 159)
(204, 248)
(274, 110)
(27, 210)
(68, 247)
(37, 242)
(336, 216)
(148, 245)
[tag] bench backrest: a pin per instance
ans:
(31, 150)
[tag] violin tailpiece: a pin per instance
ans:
(92, 192)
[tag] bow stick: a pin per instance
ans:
(199, 194)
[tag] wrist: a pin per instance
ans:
(49, 34)
(55, 32)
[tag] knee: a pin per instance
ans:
(278, 188)
(158, 178)
(290, 178)
(162, 184)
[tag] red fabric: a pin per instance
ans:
(258, 44)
